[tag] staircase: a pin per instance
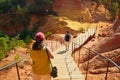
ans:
(67, 68)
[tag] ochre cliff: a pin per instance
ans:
(73, 9)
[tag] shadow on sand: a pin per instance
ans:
(61, 52)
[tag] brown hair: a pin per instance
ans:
(37, 45)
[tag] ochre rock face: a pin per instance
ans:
(109, 44)
(73, 9)
(66, 3)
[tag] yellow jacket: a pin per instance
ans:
(41, 64)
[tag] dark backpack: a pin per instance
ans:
(67, 37)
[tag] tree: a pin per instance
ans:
(114, 7)
(10, 5)
(40, 6)
(117, 24)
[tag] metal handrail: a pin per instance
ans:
(12, 63)
(71, 49)
(105, 57)
(77, 44)
(17, 61)
(102, 56)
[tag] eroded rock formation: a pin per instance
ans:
(73, 9)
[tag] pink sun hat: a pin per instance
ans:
(39, 36)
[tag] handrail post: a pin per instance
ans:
(87, 66)
(17, 71)
(51, 45)
(82, 40)
(107, 70)
(72, 46)
(74, 50)
(56, 44)
(79, 58)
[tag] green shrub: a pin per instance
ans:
(3, 47)
(1, 34)
(24, 33)
(10, 5)
(48, 34)
(34, 8)
(7, 44)
(114, 9)
(13, 42)
(28, 39)
(21, 10)
(16, 57)
(3, 43)
(21, 43)
(2, 54)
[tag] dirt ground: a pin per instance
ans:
(97, 68)
(74, 27)
(25, 66)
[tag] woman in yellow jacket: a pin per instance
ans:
(39, 53)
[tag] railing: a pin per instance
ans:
(16, 64)
(76, 45)
(107, 60)
(82, 38)
(54, 45)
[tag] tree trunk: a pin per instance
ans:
(117, 24)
